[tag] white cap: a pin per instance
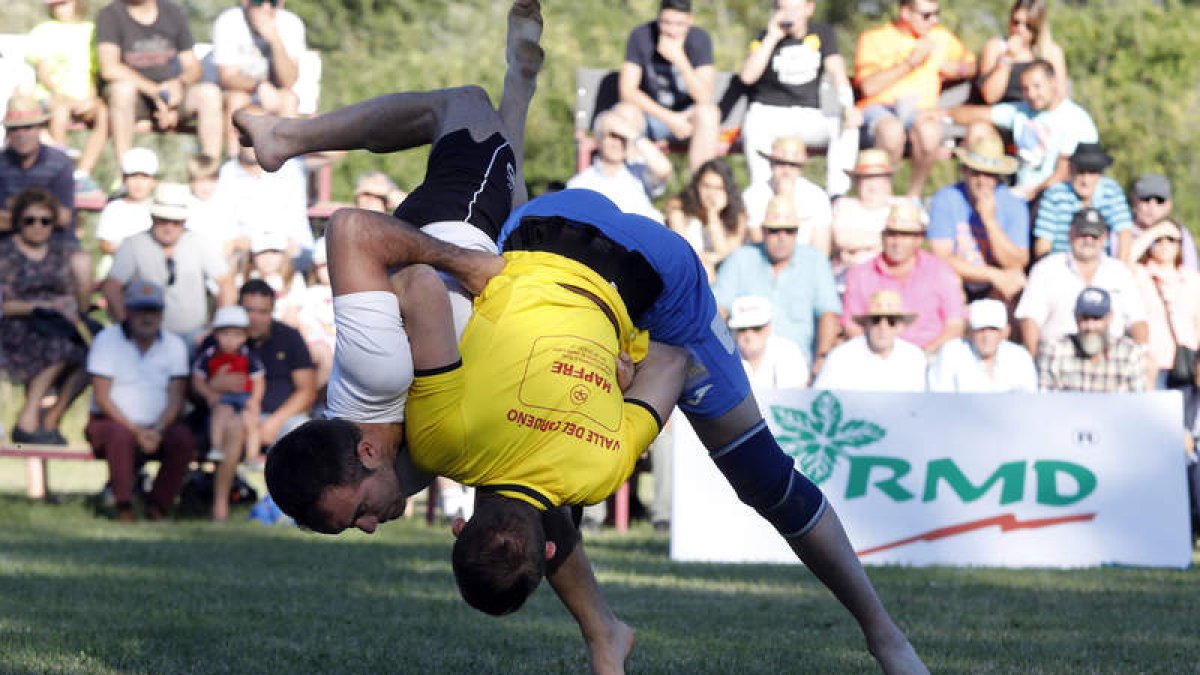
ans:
(320, 256)
(230, 317)
(139, 160)
(750, 311)
(987, 313)
(268, 240)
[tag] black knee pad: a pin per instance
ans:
(766, 480)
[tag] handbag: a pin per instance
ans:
(1183, 368)
(49, 323)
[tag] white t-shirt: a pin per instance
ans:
(213, 219)
(852, 366)
(1055, 284)
(120, 219)
(234, 44)
(624, 189)
(372, 363)
(1042, 137)
(267, 201)
(783, 366)
(139, 381)
(958, 370)
(812, 208)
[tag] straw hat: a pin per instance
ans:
(985, 154)
(789, 149)
(171, 202)
(781, 214)
(872, 162)
(885, 303)
(25, 111)
(905, 216)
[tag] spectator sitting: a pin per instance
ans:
(1086, 188)
(1047, 127)
(794, 278)
(257, 47)
(771, 361)
(784, 71)
(1171, 294)
(61, 52)
(27, 163)
(233, 416)
(787, 158)
(139, 374)
(927, 284)
(668, 75)
(209, 216)
(40, 293)
(1006, 59)
(290, 374)
(261, 200)
(269, 261)
(858, 220)
(1091, 359)
(985, 361)
(144, 48)
(128, 215)
(979, 226)
(374, 191)
(1046, 309)
(878, 360)
(899, 68)
(710, 214)
(611, 174)
(173, 258)
(1152, 203)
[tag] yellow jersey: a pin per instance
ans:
(534, 411)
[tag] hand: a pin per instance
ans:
(66, 306)
(226, 382)
(671, 49)
(173, 88)
(818, 363)
(1016, 48)
(262, 21)
(985, 205)
(625, 371)
(679, 124)
(148, 440)
(621, 127)
(269, 428)
(165, 118)
(954, 70)
(252, 411)
(1026, 192)
(852, 118)
(775, 28)
(921, 51)
(1008, 282)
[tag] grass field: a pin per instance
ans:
(81, 594)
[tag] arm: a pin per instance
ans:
(873, 78)
(205, 389)
(114, 297)
(1140, 332)
(658, 378)
(231, 78)
(995, 68)
(284, 68)
(835, 65)
(175, 392)
(658, 166)
(258, 389)
(953, 328)
(971, 114)
(113, 69)
(1041, 246)
(82, 280)
(829, 326)
(629, 86)
(425, 309)
(756, 63)
(1031, 334)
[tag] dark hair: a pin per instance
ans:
(315, 456)
(1043, 65)
(735, 209)
(1035, 13)
(499, 557)
(256, 287)
(33, 196)
(677, 5)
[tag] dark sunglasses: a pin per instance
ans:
(751, 329)
(791, 231)
(892, 321)
(1156, 200)
(170, 271)
(1173, 240)
(44, 221)
(260, 3)
(902, 233)
(1019, 23)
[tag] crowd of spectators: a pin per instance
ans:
(1031, 272)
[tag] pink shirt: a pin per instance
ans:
(1181, 289)
(932, 290)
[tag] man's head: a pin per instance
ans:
(788, 156)
(796, 15)
(139, 172)
(1151, 199)
(750, 321)
(229, 326)
(1039, 85)
(919, 15)
(612, 144)
(1087, 165)
(872, 175)
(258, 299)
(24, 120)
(884, 320)
(374, 191)
(500, 555)
(1093, 309)
(168, 212)
(675, 18)
(1088, 235)
(329, 477)
(144, 302)
(903, 233)
(984, 163)
(779, 227)
(264, 5)
(987, 326)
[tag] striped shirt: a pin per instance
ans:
(1060, 203)
(1061, 367)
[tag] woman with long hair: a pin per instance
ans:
(710, 214)
(1005, 58)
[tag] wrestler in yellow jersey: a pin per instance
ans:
(534, 411)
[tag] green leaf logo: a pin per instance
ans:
(818, 437)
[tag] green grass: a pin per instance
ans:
(82, 594)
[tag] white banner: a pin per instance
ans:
(1015, 480)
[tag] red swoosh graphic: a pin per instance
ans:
(1006, 521)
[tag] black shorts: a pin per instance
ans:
(464, 181)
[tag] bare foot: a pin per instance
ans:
(609, 658)
(524, 33)
(258, 131)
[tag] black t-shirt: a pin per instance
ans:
(153, 51)
(282, 352)
(659, 78)
(793, 75)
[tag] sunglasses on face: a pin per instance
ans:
(789, 231)
(1156, 200)
(260, 3)
(1173, 240)
(44, 221)
(930, 15)
(902, 233)
(892, 321)
(1018, 23)
(751, 329)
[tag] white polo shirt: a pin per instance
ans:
(852, 366)
(783, 366)
(1055, 284)
(957, 369)
(139, 381)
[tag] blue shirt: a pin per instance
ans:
(52, 171)
(1059, 205)
(952, 218)
(803, 291)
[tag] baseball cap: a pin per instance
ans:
(1152, 185)
(231, 317)
(1090, 221)
(268, 240)
(141, 294)
(987, 313)
(1093, 303)
(750, 311)
(139, 160)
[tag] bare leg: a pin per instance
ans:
(229, 437)
(608, 639)
(204, 100)
(926, 134)
(96, 139)
(122, 112)
(69, 389)
(29, 417)
(524, 58)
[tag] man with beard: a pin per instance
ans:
(1090, 360)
